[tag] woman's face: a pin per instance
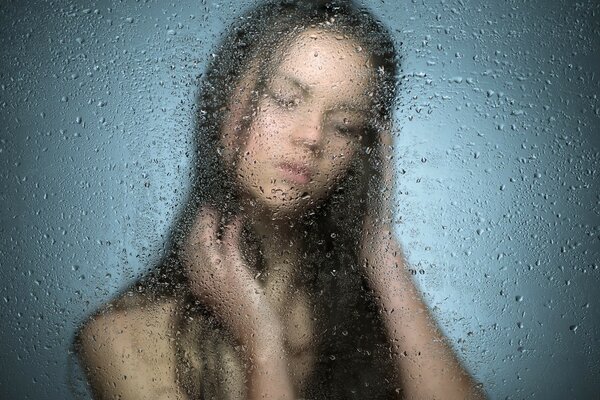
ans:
(308, 123)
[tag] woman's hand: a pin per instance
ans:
(380, 251)
(220, 278)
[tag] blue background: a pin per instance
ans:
(497, 152)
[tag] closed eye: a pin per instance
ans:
(347, 127)
(286, 101)
(286, 93)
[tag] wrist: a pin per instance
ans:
(265, 344)
(267, 370)
(271, 383)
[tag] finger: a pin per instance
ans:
(231, 239)
(385, 135)
(387, 173)
(201, 244)
(387, 143)
(234, 229)
(206, 226)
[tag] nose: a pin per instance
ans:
(308, 131)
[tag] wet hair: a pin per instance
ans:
(258, 35)
(332, 228)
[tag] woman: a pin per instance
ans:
(284, 279)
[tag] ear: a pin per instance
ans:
(237, 115)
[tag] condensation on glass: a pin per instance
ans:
(188, 191)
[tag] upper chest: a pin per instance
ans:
(299, 325)
(291, 302)
(300, 338)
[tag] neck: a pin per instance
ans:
(280, 244)
(278, 237)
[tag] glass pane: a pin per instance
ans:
(307, 199)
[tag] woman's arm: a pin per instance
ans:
(424, 361)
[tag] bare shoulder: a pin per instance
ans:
(129, 352)
(142, 327)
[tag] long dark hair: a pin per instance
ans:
(332, 228)
(260, 33)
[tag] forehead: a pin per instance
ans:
(328, 62)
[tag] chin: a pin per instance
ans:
(290, 207)
(285, 200)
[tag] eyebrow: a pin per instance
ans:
(349, 107)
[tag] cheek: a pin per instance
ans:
(265, 134)
(338, 162)
(257, 152)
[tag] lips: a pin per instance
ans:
(296, 172)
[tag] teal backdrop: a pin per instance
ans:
(497, 150)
